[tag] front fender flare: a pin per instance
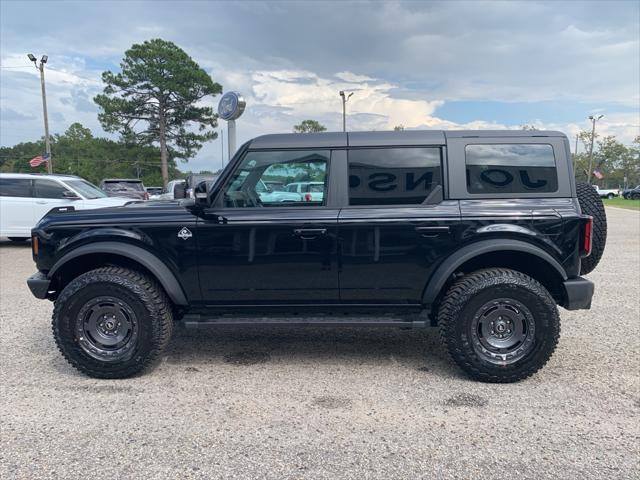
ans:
(158, 269)
(453, 262)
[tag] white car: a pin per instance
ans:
(26, 197)
(308, 191)
(607, 193)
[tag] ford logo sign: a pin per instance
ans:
(231, 106)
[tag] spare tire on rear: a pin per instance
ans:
(591, 204)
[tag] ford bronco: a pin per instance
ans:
(480, 233)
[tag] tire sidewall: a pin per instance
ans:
(80, 291)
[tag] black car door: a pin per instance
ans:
(396, 228)
(259, 246)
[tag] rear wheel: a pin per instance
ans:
(112, 322)
(610, 196)
(499, 325)
(591, 204)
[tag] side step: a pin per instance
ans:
(197, 321)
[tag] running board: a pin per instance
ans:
(197, 321)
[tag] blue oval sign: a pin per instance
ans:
(231, 106)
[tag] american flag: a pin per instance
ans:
(598, 174)
(39, 160)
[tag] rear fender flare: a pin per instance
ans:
(151, 262)
(447, 268)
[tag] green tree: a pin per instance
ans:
(398, 128)
(309, 126)
(78, 152)
(155, 100)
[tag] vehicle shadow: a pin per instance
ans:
(418, 349)
(6, 243)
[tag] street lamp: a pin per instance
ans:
(47, 144)
(593, 136)
(345, 98)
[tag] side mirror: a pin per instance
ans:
(200, 194)
(69, 195)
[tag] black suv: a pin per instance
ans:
(479, 233)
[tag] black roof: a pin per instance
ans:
(383, 138)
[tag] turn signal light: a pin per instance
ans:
(34, 245)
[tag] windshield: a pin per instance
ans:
(86, 189)
(123, 186)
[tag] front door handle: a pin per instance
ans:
(309, 233)
(41, 202)
(430, 232)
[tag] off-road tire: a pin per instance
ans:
(461, 305)
(18, 239)
(146, 299)
(591, 204)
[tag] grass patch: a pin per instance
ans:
(622, 203)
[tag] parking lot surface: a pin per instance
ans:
(327, 403)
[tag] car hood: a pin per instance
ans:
(118, 213)
(106, 202)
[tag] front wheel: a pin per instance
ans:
(499, 325)
(610, 196)
(112, 322)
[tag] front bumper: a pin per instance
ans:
(579, 292)
(39, 284)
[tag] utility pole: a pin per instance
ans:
(575, 156)
(345, 98)
(47, 143)
(593, 136)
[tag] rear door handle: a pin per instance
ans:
(41, 202)
(432, 231)
(309, 233)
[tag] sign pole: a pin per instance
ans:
(231, 136)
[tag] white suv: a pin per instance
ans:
(25, 198)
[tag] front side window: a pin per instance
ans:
(49, 189)
(250, 184)
(15, 187)
(511, 168)
(393, 176)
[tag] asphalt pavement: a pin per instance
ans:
(327, 403)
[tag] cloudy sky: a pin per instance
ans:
(423, 65)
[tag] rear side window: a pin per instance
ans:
(511, 168)
(393, 176)
(49, 189)
(15, 187)
(123, 186)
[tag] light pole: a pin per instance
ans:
(47, 144)
(345, 98)
(593, 136)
